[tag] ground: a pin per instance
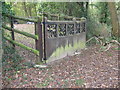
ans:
(91, 68)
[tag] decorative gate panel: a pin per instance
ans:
(63, 38)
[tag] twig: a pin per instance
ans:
(109, 45)
(90, 39)
(115, 41)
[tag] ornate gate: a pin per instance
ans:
(62, 38)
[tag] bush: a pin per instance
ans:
(95, 28)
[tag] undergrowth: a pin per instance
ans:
(11, 60)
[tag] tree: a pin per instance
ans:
(114, 19)
(6, 9)
(103, 11)
(83, 6)
(25, 8)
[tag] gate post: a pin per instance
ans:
(36, 33)
(45, 36)
(39, 45)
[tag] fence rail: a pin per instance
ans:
(37, 36)
(21, 32)
(20, 18)
(58, 16)
(22, 46)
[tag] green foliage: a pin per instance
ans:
(64, 8)
(19, 8)
(98, 21)
(10, 60)
(79, 82)
(104, 16)
(6, 9)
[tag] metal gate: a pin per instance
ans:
(63, 38)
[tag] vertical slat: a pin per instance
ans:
(57, 30)
(66, 29)
(81, 29)
(12, 32)
(85, 26)
(39, 42)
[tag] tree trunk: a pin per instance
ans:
(87, 6)
(114, 19)
(25, 9)
(35, 9)
(30, 13)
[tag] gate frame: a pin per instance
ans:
(44, 19)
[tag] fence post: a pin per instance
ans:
(36, 41)
(58, 16)
(39, 45)
(74, 20)
(45, 35)
(12, 32)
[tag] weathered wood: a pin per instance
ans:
(36, 33)
(59, 22)
(20, 18)
(44, 30)
(40, 45)
(21, 32)
(58, 15)
(12, 30)
(74, 20)
(23, 46)
(46, 14)
(66, 29)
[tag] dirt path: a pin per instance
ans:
(90, 69)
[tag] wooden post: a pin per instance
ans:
(74, 20)
(39, 44)
(12, 32)
(36, 33)
(58, 16)
(36, 42)
(44, 30)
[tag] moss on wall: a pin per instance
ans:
(68, 48)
